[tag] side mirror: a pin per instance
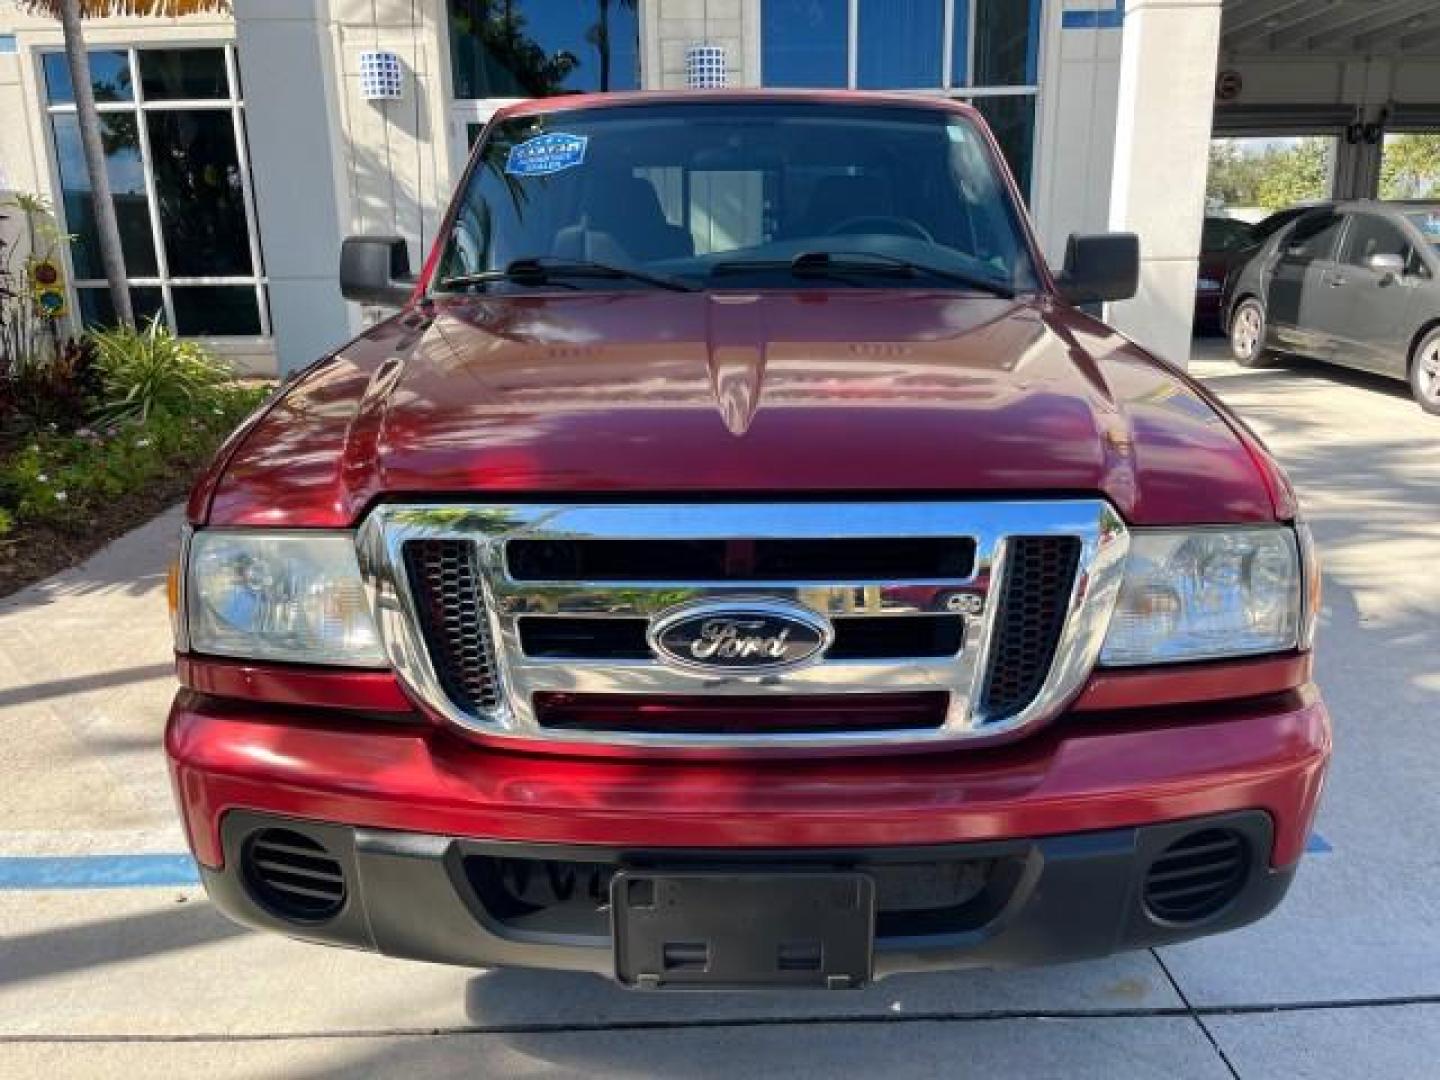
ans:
(376, 270)
(1389, 267)
(1100, 266)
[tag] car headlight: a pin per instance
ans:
(1207, 284)
(295, 597)
(1206, 594)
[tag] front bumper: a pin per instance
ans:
(1043, 901)
(1066, 823)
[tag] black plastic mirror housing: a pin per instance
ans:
(1100, 266)
(376, 270)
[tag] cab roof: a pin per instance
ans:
(568, 102)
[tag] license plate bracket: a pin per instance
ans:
(708, 930)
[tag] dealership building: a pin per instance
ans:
(242, 148)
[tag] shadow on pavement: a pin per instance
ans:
(81, 684)
(99, 944)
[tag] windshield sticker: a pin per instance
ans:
(546, 154)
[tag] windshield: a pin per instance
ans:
(727, 195)
(1428, 222)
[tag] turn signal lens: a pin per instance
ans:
(172, 601)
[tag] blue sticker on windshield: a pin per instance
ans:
(546, 154)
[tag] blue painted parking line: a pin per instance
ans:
(1317, 845)
(96, 871)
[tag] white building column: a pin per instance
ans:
(1162, 138)
(292, 121)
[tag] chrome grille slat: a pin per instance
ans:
(500, 604)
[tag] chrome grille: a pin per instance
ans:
(1000, 606)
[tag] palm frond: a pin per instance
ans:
(94, 9)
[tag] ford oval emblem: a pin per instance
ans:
(739, 637)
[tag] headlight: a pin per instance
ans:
(1206, 594)
(279, 596)
(1210, 285)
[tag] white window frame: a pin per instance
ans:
(233, 103)
(964, 92)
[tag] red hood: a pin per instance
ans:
(649, 392)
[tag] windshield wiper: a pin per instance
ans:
(544, 270)
(841, 263)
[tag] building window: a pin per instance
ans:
(805, 43)
(984, 51)
(175, 153)
(539, 48)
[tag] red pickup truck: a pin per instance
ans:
(740, 564)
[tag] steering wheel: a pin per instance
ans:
(896, 226)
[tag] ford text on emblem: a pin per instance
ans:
(739, 636)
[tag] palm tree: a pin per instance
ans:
(599, 36)
(70, 12)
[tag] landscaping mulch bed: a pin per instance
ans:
(35, 550)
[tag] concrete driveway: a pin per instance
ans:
(103, 978)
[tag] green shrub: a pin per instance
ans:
(142, 372)
(60, 478)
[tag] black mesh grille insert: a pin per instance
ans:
(1039, 577)
(1197, 876)
(293, 876)
(445, 581)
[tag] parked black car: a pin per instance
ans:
(1354, 283)
(1224, 242)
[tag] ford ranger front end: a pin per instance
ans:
(739, 565)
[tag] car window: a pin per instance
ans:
(1428, 223)
(1267, 227)
(1314, 236)
(1368, 236)
(1225, 234)
(682, 189)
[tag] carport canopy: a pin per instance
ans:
(1355, 70)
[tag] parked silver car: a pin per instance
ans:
(1354, 283)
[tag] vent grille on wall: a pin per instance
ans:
(381, 76)
(706, 67)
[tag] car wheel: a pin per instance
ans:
(1247, 334)
(1425, 372)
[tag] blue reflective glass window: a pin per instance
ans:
(8, 44)
(96, 308)
(109, 76)
(901, 44)
(120, 138)
(960, 44)
(539, 48)
(1007, 42)
(805, 43)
